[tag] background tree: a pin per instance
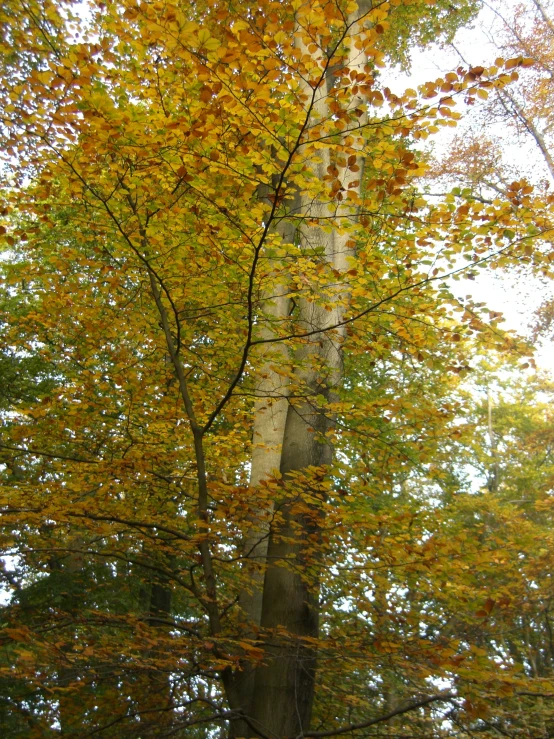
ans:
(485, 157)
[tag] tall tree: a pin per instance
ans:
(219, 207)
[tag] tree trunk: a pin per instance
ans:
(284, 684)
(270, 413)
(281, 701)
(284, 689)
(152, 691)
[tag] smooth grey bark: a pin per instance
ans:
(284, 689)
(270, 413)
(283, 686)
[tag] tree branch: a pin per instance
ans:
(49, 455)
(397, 712)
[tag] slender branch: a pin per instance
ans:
(177, 366)
(397, 712)
(133, 524)
(49, 455)
(396, 293)
(198, 433)
(204, 546)
(252, 274)
(546, 18)
(280, 186)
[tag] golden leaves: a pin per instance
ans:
(232, 162)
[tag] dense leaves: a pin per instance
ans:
(241, 433)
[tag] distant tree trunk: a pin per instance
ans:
(544, 15)
(152, 692)
(511, 105)
(71, 705)
(494, 470)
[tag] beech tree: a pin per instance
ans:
(523, 110)
(237, 303)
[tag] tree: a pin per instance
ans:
(524, 109)
(238, 288)
(512, 454)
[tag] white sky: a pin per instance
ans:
(517, 297)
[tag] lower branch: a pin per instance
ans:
(397, 712)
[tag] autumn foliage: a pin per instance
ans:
(237, 430)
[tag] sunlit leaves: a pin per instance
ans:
(172, 175)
